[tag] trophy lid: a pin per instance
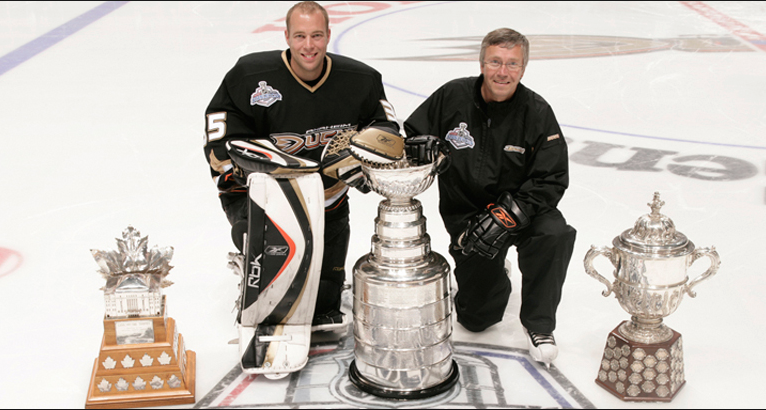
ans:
(655, 233)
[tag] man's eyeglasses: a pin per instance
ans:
(495, 65)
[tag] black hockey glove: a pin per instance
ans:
(494, 229)
(231, 180)
(425, 149)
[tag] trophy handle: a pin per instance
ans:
(715, 263)
(592, 253)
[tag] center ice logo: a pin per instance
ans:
(490, 377)
(265, 95)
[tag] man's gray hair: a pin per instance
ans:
(505, 38)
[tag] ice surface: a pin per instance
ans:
(102, 128)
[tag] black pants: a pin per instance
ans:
(544, 251)
(337, 232)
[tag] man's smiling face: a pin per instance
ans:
(307, 38)
(500, 83)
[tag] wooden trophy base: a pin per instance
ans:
(636, 371)
(145, 374)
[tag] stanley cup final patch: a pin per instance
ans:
(460, 137)
(265, 95)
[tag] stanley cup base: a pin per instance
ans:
(635, 371)
(368, 387)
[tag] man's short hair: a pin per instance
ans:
(505, 38)
(308, 7)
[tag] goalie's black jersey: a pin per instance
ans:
(262, 98)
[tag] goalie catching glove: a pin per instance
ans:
(494, 229)
(425, 149)
(342, 158)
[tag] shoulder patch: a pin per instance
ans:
(265, 95)
(460, 137)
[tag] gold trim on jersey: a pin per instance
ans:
(332, 192)
(327, 61)
(218, 165)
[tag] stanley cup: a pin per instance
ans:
(402, 306)
(643, 358)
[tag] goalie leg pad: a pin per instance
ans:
(284, 248)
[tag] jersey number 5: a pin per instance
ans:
(216, 126)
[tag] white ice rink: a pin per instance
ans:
(102, 111)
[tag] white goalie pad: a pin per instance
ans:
(283, 260)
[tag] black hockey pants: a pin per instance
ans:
(544, 251)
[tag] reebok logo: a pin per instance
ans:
(504, 218)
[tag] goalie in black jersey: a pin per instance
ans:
(297, 101)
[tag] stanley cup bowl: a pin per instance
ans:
(400, 182)
(650, 270)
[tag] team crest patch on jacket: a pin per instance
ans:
(265, 95)
(460, 137)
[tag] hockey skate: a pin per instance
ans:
(542, 347)
(335, 321)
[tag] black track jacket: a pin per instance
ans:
(514, 145)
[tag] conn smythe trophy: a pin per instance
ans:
(142, 361)
(402, 307)
(643, 358)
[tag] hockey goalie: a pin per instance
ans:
(283, 244)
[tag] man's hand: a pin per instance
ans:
(494, 229)
(425, 149)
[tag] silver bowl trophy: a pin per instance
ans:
(142, 361)
(402, 306)
(643, 358)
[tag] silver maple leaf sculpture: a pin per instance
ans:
(134, 257)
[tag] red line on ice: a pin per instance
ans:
(7, 255)
(734, 26)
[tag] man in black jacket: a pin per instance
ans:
(509, 170)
